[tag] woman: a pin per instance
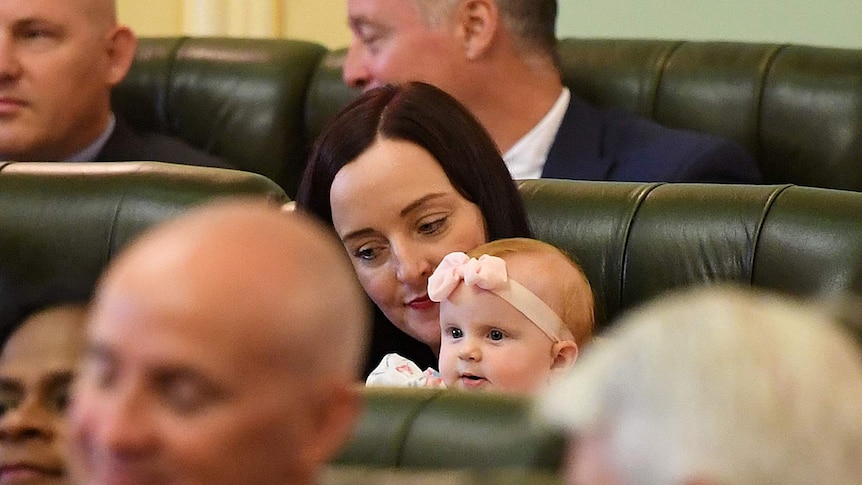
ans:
(406, 175)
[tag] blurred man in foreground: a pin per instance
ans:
(222, 348)
(715, 387)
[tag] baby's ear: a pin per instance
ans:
(565, 353)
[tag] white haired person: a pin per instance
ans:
(714, 386)
(513, 313)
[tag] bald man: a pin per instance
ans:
(59, 60)
(222, 348)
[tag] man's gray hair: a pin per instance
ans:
(720, 384)
(531, 23)
(435, 12)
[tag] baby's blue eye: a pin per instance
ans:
(456, 333)
(496, 334)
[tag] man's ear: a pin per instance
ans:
(564, 353)
(478, 22)
(334, 420)
(121, 51)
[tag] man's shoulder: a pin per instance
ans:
(676, 155)
(619, 145)
(126, 144)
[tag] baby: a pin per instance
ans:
(512, 315)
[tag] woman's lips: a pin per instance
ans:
(421, 303)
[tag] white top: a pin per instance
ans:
(526, 159)
(397, 371)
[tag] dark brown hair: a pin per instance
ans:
(424, 115)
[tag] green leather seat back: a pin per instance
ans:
(480, 431)
(260, 103)
(61, 223)
(359, 475)
(241, 99)
(437, 429)
(636, 241)
(378, 439)
(797, 109)
(327, 94)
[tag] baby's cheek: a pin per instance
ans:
(523, 379)
(446, 363)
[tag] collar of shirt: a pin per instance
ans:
(526, 158)
(89, 153)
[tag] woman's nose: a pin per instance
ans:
(412, 266)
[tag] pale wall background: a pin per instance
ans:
(835, 23)
(323, 21)
(149, 21)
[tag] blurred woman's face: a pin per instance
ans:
(36, 367)
(397, 215)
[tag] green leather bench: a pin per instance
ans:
(260, 103)
(242, 99)
(434, 429)
(341, 475)
(638, 240)
(61, 223)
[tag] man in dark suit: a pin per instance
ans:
(498, 58)
(59, 60)
(127, 144)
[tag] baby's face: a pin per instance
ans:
(489, 345)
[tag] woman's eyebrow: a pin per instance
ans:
(403, 213)
(358, 233)
(418, 202)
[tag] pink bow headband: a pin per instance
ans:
(489, 273)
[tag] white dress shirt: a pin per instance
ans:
(526, 158)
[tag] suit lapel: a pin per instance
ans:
(120, 144)
(577, 150)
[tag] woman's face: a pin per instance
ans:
(36, 367)
(397, 214)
